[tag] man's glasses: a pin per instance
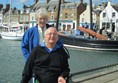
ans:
(49, 34)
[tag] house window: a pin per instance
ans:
(104, 15)
(82, 19)
(21, 18)
(113, 14)
(66, 15)
(60, 15)
(52, 17)
(103, 25)
(116, 20)
(72, 15)
(26, 18)
(32, 18)
(73, 25)
(108, 25)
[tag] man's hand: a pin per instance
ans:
(61, 80)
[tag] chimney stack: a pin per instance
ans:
(7, 7)
(62, 1)
(35, 1)
(81, 1)
(1, 6)
(47, 1)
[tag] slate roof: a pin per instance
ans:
(38, 5)
(71, 5)
(115, 7)
(53, 5)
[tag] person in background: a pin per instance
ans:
(48, 61)
(34, 35)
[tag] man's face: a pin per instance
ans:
(42, 22)
(51, 36)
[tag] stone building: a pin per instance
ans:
(69, 13)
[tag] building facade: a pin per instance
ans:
(109, 20)
(1, 16)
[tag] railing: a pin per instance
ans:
(89, 70)
(69, 80)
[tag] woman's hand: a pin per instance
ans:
(61, 80)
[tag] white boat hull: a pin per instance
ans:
(11, 36)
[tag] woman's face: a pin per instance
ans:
(42, 21)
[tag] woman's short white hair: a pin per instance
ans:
(42, 13)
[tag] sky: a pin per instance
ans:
(19, 3)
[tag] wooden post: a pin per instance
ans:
(58, 14)
(91, 19)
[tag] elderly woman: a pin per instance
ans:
(49, 61)
(34, 35)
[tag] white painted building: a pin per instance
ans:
(85, 17)
(109, 19)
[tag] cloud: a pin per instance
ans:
(23, 1)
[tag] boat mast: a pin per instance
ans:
(10, 13)
(58, 14)
(91, 19)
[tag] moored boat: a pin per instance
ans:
(12, 30)
(14, 33)
(91, 44)
(100, 43)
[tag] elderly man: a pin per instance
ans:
(49, 61)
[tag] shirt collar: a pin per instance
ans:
(40, 29)
(53, 49)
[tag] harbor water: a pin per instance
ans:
(12, 61)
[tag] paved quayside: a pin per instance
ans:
(108, 76)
